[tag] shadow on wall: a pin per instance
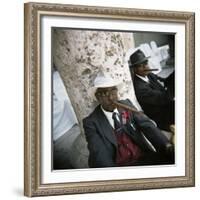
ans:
(70, 150)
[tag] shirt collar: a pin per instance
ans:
(143, 78)
(109, 115)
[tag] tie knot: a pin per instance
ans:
(114, 115)
(116, 120)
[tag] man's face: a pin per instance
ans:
(142, 69)
(106, 97)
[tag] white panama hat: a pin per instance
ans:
(104, 81)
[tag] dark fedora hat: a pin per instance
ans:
(137, 57)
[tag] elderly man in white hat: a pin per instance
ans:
(117, 136)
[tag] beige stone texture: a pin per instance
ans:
(79, 55)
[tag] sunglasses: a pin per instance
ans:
(107, 93)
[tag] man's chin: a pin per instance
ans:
(113, 107)
(110, 108)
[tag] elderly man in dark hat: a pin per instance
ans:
(155, 98)
(119, 136)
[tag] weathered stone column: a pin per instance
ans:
(79, 55)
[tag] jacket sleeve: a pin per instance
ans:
(99, 156)
(150, 131)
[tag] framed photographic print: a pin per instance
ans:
(82, 63)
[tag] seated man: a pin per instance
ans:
(156, 100)
(118, 137)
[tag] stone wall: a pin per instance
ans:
(79, 55)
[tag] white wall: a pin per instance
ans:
(11, 103)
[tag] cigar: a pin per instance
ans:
(125, 106)
(151, 70)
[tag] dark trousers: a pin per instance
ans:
(153, 158)
(156, 159)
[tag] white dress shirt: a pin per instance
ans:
(109, 115)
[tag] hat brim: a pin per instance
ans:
(139, 62)
(117, 84)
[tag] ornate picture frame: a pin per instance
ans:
(34, 117)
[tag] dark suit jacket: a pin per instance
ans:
(102, 143)
(156, 101)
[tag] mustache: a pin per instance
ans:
(151, 70)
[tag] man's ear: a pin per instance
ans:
(135, 70)
(97, 97)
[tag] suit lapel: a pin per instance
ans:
(155, 84)
(106, 128)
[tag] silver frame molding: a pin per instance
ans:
(32, 93)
